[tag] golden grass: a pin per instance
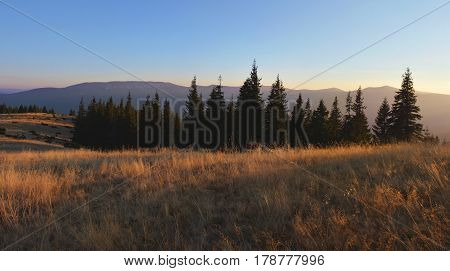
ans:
(14, 145)
(358, 198)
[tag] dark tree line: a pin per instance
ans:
(4, 109)
(215, 123)
(105, 125)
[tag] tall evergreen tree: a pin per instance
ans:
(216, 115)
(167, 125)
(276, 115)
(177, 131)
(405, 112)
(250, 110)
(110, 124)
(231, 124)
(382, 126)
(347, 122)
(193, 114)
(130, 123)
(156, 120)
(193, 101)
(146, 125)
(79, 135)
(296, 129)
(335, 123)
(319, 125)
(308, 118)
(360, 132)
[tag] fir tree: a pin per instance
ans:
(215, 113)
(193, 101)
(250, 110)
(155, 120)
(296, 130)
(382, 126)
(177, 131)
(347, 122)
(335, 123)
(146, 124)
(276, 115)
(193, 114)
(230, 124)
(405, 112)
(110, 124)
(79, 134)
(167, 126)
(319, 125)
(308, 118)
(130, 123)
(360, 132)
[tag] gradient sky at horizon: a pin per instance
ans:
(174, 40)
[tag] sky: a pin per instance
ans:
(172, 41)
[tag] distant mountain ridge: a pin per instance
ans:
(435, 108)
(9, 90)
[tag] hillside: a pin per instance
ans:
(435, 107)
(358, 198)
(35, 131)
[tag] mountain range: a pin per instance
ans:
(9, 91)
(435, 108)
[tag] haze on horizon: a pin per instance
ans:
(173, 40)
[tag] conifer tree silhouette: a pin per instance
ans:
(382, 126)
(276, 115)
(405, 112)
(359, 127)
(335, 123)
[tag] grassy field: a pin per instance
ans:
(358, 198)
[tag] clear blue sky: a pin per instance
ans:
(173, 40)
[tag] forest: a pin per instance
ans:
(248, 122)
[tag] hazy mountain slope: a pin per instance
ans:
(435, 107)
(9, 91)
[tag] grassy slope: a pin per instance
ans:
(362, 198)
(35, 131)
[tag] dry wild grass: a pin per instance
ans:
(358, 198)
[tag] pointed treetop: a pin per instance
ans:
(299, 99)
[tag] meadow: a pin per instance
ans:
(393, 197)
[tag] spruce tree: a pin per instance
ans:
(405, 112)
(167, 125)
(215, 113)
(231, 124)
(79, 134)
(250, 110)
(335, 123)
(296, 130)
(110, 124)
(92, 124)
(319, 125)
(382, 126)
(130, 123)
(359, 127)
(347, 122)
(193, 114)
(308, 118)
(193, 101)
(177, 131)
(276, 115)
(156, 120)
